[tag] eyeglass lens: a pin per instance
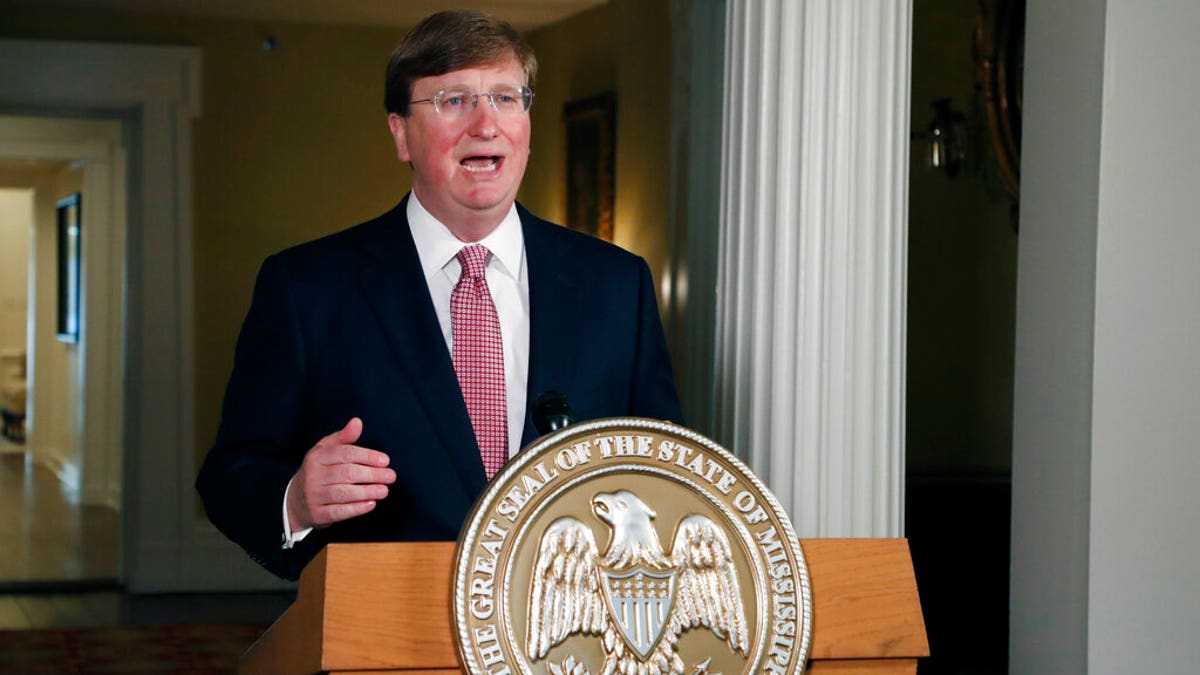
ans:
(504, 100)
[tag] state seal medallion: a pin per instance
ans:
(633, 547)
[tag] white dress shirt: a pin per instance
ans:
(508, 282)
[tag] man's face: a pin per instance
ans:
(465, 171)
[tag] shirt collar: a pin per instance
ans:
(437, 246)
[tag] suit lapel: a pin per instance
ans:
(395, 287)
(554, 303)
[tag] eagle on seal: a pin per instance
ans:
(638, 599)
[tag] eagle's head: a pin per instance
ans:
(634, 540)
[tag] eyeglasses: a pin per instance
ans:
(457, 103)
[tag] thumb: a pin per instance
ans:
(350, 433)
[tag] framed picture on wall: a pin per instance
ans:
(591, 164)
(69, 236)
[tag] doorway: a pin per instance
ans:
(60, 464)
(961, 325)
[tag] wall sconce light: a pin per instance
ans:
(946, 137)
(269, 41)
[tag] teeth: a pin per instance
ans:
(480, 168)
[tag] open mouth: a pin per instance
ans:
(481, 163)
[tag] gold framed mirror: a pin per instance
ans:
(999, 74)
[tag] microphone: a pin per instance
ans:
(551, 412)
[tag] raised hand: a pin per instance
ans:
(337, 480)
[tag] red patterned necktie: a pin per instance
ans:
(479, 357)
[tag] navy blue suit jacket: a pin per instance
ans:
(344, 326)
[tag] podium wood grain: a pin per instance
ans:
(385, 608)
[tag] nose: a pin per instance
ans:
(483, 119)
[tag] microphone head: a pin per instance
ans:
(551, 412)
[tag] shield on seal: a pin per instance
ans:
(640, 603)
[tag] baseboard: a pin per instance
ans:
(67, 472)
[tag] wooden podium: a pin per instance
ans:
(371, 609)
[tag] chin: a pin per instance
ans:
(486, 200)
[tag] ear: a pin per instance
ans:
(399, 128)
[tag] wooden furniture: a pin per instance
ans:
(347, 616)
(13, 389)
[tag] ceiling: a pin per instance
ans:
(524, 14)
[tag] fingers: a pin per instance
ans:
(347, 435)
(339, 480)
(352, 454)
(350, 433)
(339, 448)
(348, 494)
(358, 474)
(339, 512)
(340, 502)
(324, 516)
(323, 505)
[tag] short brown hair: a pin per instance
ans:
(449, 41)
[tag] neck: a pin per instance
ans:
(471, 232)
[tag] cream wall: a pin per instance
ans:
(291, 145)
(16, 227)
(623, 46)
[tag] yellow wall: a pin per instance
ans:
(623, 46)
(292, 144)
(16, 227)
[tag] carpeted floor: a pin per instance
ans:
(177, 649)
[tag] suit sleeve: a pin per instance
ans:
(653, 392)
(261, 439)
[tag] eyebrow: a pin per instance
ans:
(467, 87)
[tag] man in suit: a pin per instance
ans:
(384, 373)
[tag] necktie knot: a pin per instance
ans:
(474, 260)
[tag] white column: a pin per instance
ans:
(812, 277)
